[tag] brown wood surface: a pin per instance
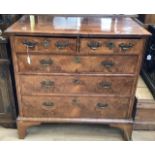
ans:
(47, 44)
(149, 19)
(76, 72)
(77, 64)
(73, 26)
(123, 124)
(144, 114)
(75, 107)
(79, 46)
(132, 103)
(111, 46)
(76, 85)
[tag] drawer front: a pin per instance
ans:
(45, 45)
(74, 107)
(77, 85)
(111, 46)
(81, 64)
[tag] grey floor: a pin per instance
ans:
(49, 132)
(58, 132)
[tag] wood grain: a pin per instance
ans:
(76, 85)
(46, 44)
(74, 107)
(77, 64)
(98, 66)
(111, 46)
(47, 25)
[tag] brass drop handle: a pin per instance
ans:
(29, 44)
(47, 83)
(77, 59)
(61, 44)
(46, 62)
(48, 104)
(94, 45)
(107, 64)
(125, 46)
(101, 105)
(105, 85)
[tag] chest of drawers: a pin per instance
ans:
(76, 70)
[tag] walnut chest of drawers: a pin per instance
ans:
(76, 70)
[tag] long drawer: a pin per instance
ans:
(74, 64)
(74, 107)
(76, 85)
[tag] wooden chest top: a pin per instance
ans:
(82, 26)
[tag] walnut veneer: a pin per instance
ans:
(76, 70)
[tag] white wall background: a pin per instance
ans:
(77, 6)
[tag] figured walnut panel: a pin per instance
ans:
(77, 64)
(74, 107)
(81, 69)
(77, 85)
(111, 46)
(45, 44)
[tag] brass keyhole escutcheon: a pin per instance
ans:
(76, 102)
(110, 45)
(77, 59)
(104, 85)
(46, 43)
(77, 81)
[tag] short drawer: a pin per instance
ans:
(45, 45)
(83, 64)
(31, 85)
(111, 46)
(74, 107)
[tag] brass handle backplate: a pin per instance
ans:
(61, 44)
(105, 85)
(47, 84)
(48, 104)
(46, 62)
(101, 105)
(94, 45)
(107, 64)
(126, 46)
(29, 44)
